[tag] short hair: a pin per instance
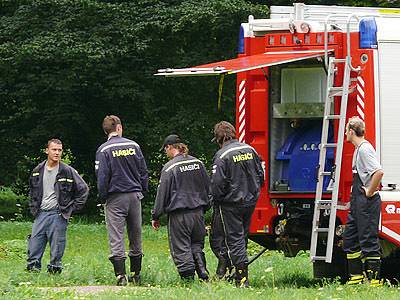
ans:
(357, 125)
(110, 124)
(54, 141)
(224, 131)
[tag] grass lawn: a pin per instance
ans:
(85, 261)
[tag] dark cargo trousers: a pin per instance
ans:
(229, 231)
(186, 233)
(361, 233)
(124, 210)
(360, 238)
(49, 226)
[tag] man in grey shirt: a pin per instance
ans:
(56, 191)
(361, 241)
(49, 200)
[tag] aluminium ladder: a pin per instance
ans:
(330, 204)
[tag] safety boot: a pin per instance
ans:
(373, 272)
(355, 268)
(120, 272)
(242, 275)
(136, 267)
(200, 264)
(224, 268)
(34, 267)
(54, 269)
(187, 276)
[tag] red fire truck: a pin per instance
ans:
(300, 75)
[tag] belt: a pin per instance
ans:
(51, 209)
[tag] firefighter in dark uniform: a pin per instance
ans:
(122, 178)
(236, 180)
(361, 241)
(183, 194)
(56, 191)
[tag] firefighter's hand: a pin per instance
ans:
(369, 193)
(155, 224)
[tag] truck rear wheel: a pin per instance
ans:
(390, 268)
(338, 267)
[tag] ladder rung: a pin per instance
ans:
(335, 91)
(322, 229)
(339, 60)
(324, 201)
(329, 145)
(314, 258)
(323, 206)
(338, 91)
(325, 173)
(333, 117)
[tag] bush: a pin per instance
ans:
(12, 205)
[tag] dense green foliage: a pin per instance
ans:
(65, 64)
(272, 276)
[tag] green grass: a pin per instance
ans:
(85, 263)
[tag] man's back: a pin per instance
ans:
(184, 184)
(237, 174)
(120, 167)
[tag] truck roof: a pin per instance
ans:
(315, 16)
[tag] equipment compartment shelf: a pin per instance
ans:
(298, 110)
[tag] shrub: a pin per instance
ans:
(12, 205)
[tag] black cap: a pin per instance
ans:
(170, 140)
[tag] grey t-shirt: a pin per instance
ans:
(365, 162)
(49, 200)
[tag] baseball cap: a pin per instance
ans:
(170, 140)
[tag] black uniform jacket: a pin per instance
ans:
(237, 175)
(120, 167)
(184, 185)
(71, 190)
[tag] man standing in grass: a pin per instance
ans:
(183, 194)
(122, 178)
(360, 238)
(56, 191)
(236, 180)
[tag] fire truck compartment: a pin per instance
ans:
(297, 94)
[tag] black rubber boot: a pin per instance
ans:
(120, 272)
(53, 269)
(373, 271)
(242, 276)
(200, 264)
(33, 267)
(355, 268)
(187, 275)
(224, 268)
(136, 267)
